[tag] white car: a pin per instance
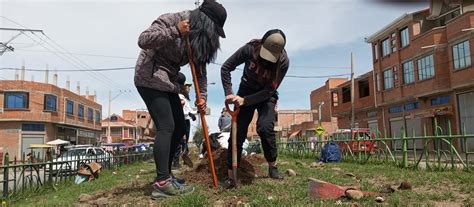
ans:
(83, 154)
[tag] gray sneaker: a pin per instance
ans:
(170, 189)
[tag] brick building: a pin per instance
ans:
(366, 114)
(129, 127)
(121, 130)
(422, 74)
(323, 95)
(288, 118)
(36, 113)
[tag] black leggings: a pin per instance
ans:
(167, 114)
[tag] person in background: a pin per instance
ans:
(266, 64)
(189, 115)
(225, 121)
(163, 52)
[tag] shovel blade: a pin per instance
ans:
(323, 190)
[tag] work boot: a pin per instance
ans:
(273, 173)
(229, 183)
(169, 189)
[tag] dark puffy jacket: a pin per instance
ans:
(163, 53)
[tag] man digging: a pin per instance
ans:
(266, 64)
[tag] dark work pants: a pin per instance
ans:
(265, 124)
(183, 145)
(167, 113)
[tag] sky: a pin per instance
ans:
(85, 34)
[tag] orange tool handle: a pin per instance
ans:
(202, 115)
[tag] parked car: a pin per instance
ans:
(348, 137)
(81, 154)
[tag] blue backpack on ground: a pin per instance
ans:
(330, 153)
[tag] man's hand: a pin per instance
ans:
(239, 101)
(229, 99)
(201, 105)
(183, 27)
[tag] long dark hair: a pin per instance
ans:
(204, 38)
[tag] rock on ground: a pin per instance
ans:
(354, 194)
(290, 172)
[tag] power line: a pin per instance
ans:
(134, 58)
(72, 70)
(131, 68)
(84, 54)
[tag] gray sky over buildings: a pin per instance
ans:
(80, 34)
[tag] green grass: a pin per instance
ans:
(429, 187)
(68, 193)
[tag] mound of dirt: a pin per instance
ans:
(249, 169)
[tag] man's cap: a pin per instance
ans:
(216, 12)
(180, 78)
(187, 83)
(273, 43)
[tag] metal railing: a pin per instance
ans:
(17, 176)
(441, 151)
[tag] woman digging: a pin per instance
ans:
(163, 53)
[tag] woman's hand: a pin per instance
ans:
(229, 99)
(201, 105)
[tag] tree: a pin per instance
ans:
(198, 137)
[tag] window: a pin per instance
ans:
(386, 47)
(131, 132)
(97, 116)
(80, 111)
(335, 99)
(461, 55)
(113, 118)
(388, 79)
(404, 37)
(346, 94)
(412, 106)
(395, 109)
(408, 72)
(116, 131)
(90, 114)
(16, 100)
(394, 42)
(50, 102)
(364, 88)
(440, 100)
(376, 51)
(70, 107)
(425, 67)
(32, 127)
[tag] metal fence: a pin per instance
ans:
(16, 176)
(441, 151)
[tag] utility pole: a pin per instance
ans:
(109, 138)
(319, 112)
(352, 93)
(4, 47)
